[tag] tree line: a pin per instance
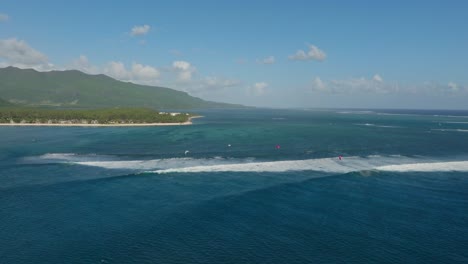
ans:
(97, 116)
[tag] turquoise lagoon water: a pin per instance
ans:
(131, 195)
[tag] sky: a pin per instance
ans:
(286, 54)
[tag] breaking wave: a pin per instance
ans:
(329, 165)
(394, 163)
(162, 163)
(427, 167)
(65, 157)
(374, 125)
(118, 162)
(452, 122)
(451, 130)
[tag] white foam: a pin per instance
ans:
(161, 163)
(427, 167)
(218, 164)
(117, 162)
(451, 130)
(395, 163)
(332, 165)
(270, 166)
(355, 112)
(453, 122)
(365, 124)
(374, 125)
(399, 114)
(65, 158)
(60, 156)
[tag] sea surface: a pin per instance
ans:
(256, 186)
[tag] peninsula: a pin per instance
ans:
(24, 116)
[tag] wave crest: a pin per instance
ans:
(396, 163)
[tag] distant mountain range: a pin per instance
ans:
(75, 89)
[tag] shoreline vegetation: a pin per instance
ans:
(92, 118)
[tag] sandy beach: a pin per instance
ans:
(189, 122)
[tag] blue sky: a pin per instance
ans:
(394, 54)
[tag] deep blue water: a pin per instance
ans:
(131, 195)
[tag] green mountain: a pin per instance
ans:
(75, 89)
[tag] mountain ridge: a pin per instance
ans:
(76, 89)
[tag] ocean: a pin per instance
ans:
(256, 186)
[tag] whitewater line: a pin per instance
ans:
(217, 164)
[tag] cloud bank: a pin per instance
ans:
(377, 85)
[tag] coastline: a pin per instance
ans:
(189, 122)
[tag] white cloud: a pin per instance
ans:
(182, 75)
(4, 17)
(117, 70)
(184, 70)
(218, 83)
(181, 65)
(178, 76)
(82, 61)
(261, 85)
(376, 85)
(267, 60)
(18, 53)
(138, 73)
(453, 87)
(185, 76)
(359, 85)
(207, 85)
(377, 78)
(434, 88)
(83, 64)
(319, 85)
(140, 30)
(314, 53)
(258, 89)
(352, 85)
(144, 72)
